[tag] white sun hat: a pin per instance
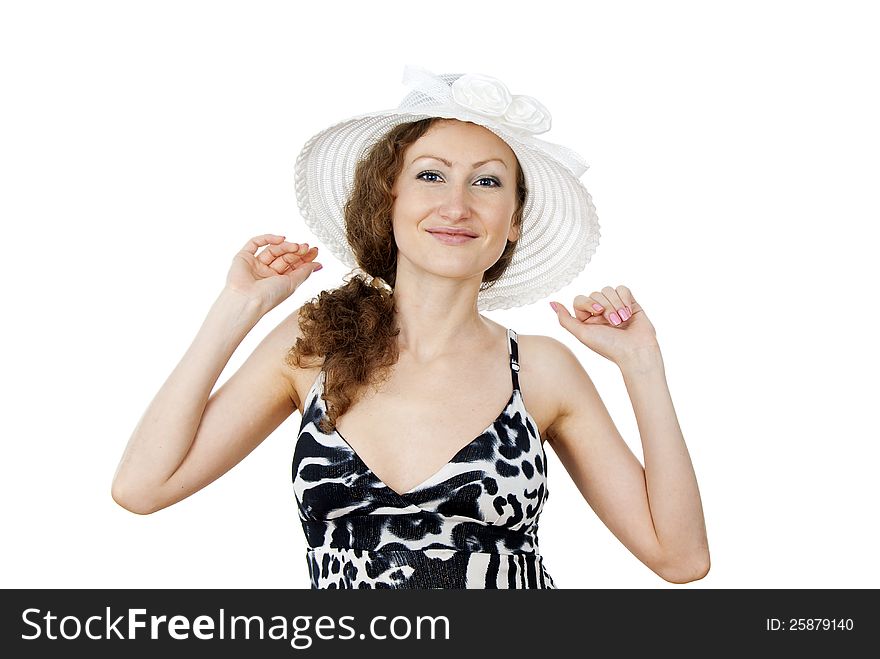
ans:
(560, 229)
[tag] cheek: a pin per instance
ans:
(408, 212)
(502, 218)
(416, 201)
(404, 225)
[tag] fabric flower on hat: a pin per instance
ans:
(490, 96)
(528, 113)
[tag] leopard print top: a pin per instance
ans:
(472, 524)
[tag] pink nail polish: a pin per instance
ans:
(597, 306)
(623, 314)
(615, 319)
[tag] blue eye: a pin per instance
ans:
(419, 176)
(497, 183)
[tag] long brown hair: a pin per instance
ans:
(353, 327)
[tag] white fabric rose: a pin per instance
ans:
(527, 113)
(490, 96)
(481, 94)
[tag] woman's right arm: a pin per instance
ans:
(188, 438)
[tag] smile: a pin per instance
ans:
(451, 239)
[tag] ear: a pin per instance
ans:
(513, 234)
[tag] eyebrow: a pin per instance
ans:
(449, 164)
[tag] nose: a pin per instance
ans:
(455, 202)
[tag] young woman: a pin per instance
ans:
(405, 474)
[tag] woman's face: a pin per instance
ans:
(430, 194)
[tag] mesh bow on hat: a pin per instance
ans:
(560, 229)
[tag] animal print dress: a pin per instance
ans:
(473, 524)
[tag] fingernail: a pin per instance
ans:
(624, 315)
(318, 268)
(553, 306)
(597, 306)
(615, 319)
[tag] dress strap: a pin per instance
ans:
(513, 348)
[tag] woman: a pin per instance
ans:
(451, 205)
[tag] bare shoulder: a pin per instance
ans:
(545, 347)
(548, 358)
(547, 367)
(575, 399)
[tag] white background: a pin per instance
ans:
(734, 167)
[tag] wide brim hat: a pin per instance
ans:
(560, 229)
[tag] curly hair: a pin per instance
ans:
(353, 327)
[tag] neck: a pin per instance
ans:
(438, 316)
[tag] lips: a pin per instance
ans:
(453, 231)
(451, 238)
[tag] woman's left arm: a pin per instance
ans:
(656, 509)
(670, 480)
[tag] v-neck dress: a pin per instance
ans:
(472, 524)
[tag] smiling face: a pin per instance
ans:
(467, 184)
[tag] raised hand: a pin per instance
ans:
(270, 277)
(609, 322)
